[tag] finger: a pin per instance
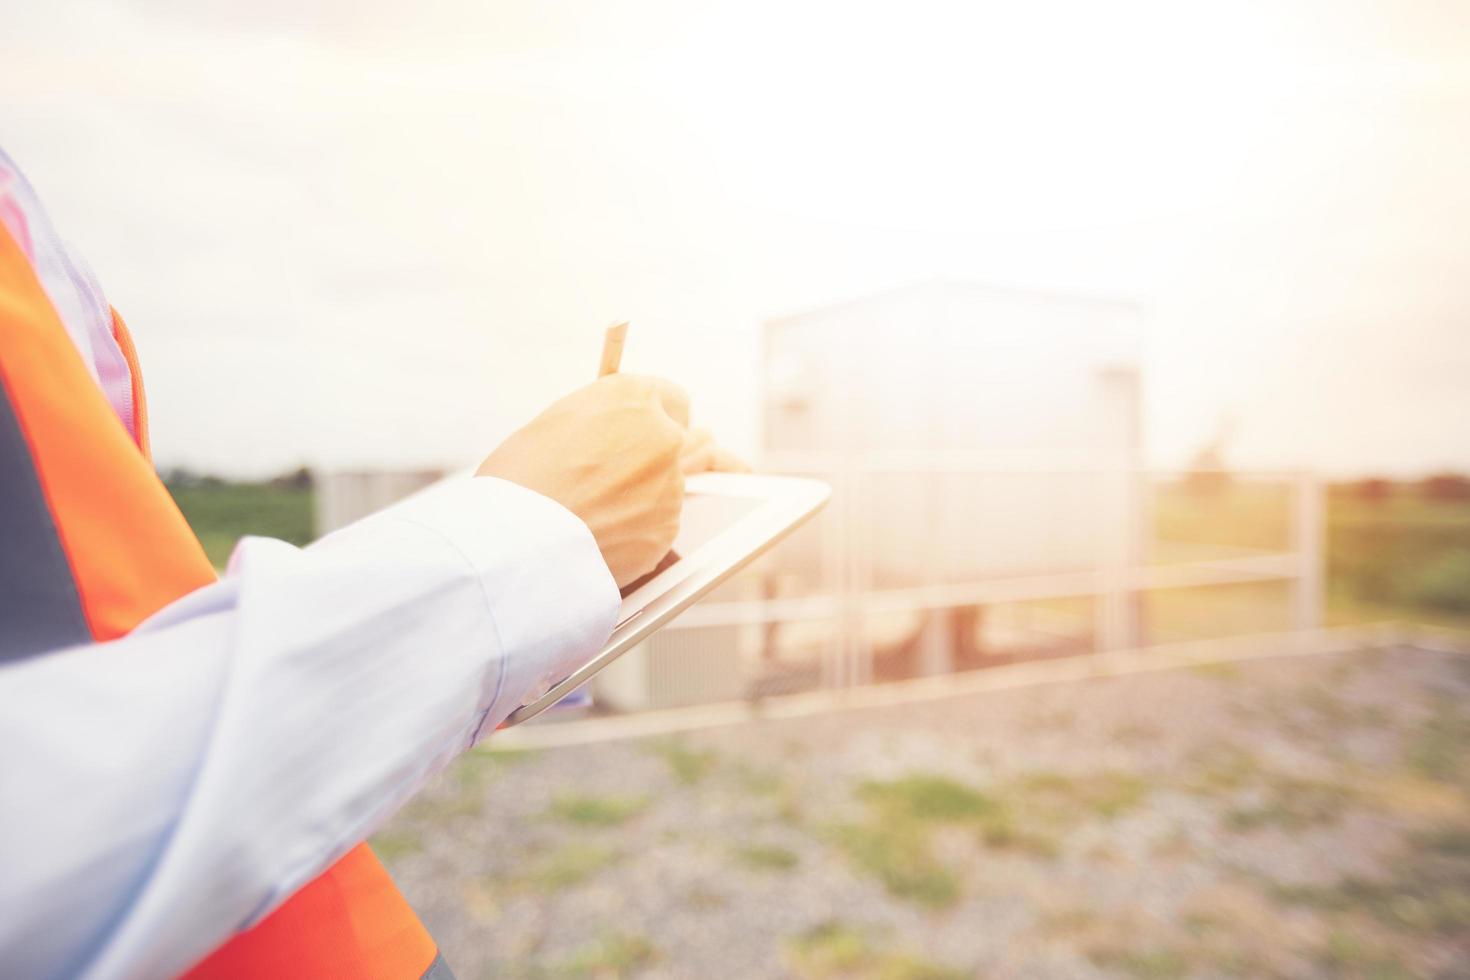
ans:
(716, 458)
(701, 460)
(703, 455)
(695, 441)
(673, 399)
(724, 461)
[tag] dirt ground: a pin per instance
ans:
(1297, 817)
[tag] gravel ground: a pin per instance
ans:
(1300, 817)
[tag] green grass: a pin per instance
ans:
(761, 782)
(598, 811)
(1403, 557)
(897, 853)
(461, 790)
(906, 966)
(1351, 954)
(614, 955)
(475, 770)
(1222, 769)
(1159, 963)
(1330, 713)
(1417, 570)
(927, 797)
(445, 799)
(1449, 843)
(1105, 794)
(1117, 940)
(1425, 895)
(391, 845)
(1437, 750)
(1277, 799)
(222, 513)
(767, 857)
(835, 949)
(829, 950)
(1172, 615)
(1243, 514)
(1219, 670)
(570, 864)
(1034, 813)
(688, 764)
(1405, 553)
(1031, 814)
(905, 809)
(1292, 803)
(1415, 905)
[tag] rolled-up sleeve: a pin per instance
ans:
(162, 791)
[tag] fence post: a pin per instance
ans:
(1307, 531)
(1121, 485)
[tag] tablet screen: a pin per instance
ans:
(705, 516)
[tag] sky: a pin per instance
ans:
(384, 234)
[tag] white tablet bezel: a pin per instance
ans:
(785, 502)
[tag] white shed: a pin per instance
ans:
(984, 445)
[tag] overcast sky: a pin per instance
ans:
(353, 233)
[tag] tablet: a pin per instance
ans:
(729, 519)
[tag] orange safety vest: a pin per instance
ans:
(105, 547)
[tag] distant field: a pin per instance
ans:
(223, 513)
(1401, 557)
(1404, 553)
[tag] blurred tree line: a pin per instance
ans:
(1448, 488)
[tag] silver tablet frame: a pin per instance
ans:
(785, 503)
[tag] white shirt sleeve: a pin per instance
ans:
(160, 792)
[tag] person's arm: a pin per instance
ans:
(164, 790)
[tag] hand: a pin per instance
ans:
(615, 454)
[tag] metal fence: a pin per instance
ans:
(914, 572)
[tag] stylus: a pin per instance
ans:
(612, 348)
